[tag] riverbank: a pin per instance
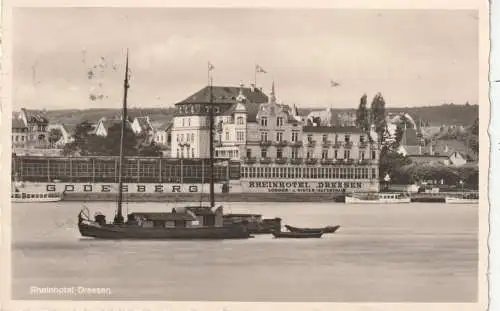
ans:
(233, 197)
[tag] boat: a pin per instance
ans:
(297, 235)
(26, 197)
(254, 222)
(464, 198)
(18, 196)
(327, 229)
(183, 224)
(377, 198)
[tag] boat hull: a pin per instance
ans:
(452, 200)
(352, 200)
(109, 231)
(329, 229)
(297, 235)
(25, 197)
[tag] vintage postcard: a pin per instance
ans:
(245, 156)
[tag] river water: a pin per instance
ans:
(394, 253)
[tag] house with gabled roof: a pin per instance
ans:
(104, 124)
(31, 128)
(142, 126)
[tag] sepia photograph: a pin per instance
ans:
(247, 155)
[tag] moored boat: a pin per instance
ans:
(297, 235)
(377, 198)
(254, 222)
(464, 198)
(27, 197)
(327, 229)
(207, 223)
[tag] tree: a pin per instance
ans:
(150, 150)
(131, 143)
(362, 115)
(55, 135)
(81, 139)
(391, 163)
(378, 116)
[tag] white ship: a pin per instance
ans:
(377, 198)
(464, 198)
(18, 196)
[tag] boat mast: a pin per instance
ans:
(211, 144)
(119, 212)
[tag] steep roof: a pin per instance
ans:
(144, 123)
(18, 124)
(225, 94)
(453, 146)
(35, 115)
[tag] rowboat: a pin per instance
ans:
(297, 235)
(327, 229)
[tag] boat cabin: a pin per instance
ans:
(163, 220)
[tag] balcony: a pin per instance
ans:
(311, 161)
(280, 160)
(296, 161)
(363, 144)
(265, 160)
(349, 161)
(327, 161)
(311, 143)
(340, 161)
(281, 143)
(364, 162)
(326, 143)
(265, 143)
(218, 144)
(296, 144)
(348, 144)
(250, 160)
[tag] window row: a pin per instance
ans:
(309, 172)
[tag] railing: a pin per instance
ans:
(363, 144)
(348, 144)
(296, 161)
(326, 161)
(296, 144)
(337, 144)
(250, 160)
(265, 143)
(280, 160)
(326, 143)
(265, 160)
(311, 161)
(281, 143)
(311, 143)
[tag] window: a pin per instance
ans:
(263, 153)
(279, 153)
(249, 153)
(240, 136)
(182, 137)
(324, 154)
(189, 121)
(227, 135)
(263, 121)
(279, 121)
(187, 152)
(309, 138)
(374, 155)
(188, 137)
(295, 153)
(263, 136)
(295, 136)
(347, 138)
(279, 136)
(183, 122)
(347, 154)
(308, 155)
(192, 152)
(192, 137)
(362, 139)
(362, 155)
(240, 120)
(324, 138)
(336, 154)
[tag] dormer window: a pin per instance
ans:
(240, 120)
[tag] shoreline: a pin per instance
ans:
(230, 197)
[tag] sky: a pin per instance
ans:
(414, 58)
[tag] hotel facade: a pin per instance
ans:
(277, 149)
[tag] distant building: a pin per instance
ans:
(103, 125)
(143, 126)
(347, 118)
(30, 129)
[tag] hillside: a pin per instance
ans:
(447, 114)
